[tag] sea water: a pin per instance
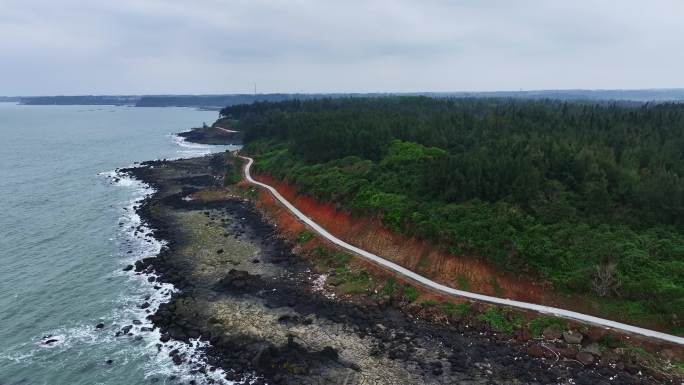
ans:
(66, 232)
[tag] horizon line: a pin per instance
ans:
(519, 91)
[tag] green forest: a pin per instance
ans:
(588, 197)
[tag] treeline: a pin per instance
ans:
(92, 100)
(589, 196)
(211, 101)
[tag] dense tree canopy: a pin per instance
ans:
(574, 192)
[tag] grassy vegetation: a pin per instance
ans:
(640, 352)
(348, 282)
(326, 259)
(610, 342)
(463, 282)
(410, 293)
(429, 303)
(679, 367)
(537, 325)
(233, 172)
(450, 309)
(304, 236)
(342, 276)
(495, 285)
(390, 287)
(496, 320)
(209, 195)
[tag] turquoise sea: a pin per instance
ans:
(65, 235)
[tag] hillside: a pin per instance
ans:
(586, 198)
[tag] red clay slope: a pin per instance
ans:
(414, 254)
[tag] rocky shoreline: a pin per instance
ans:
(260, 306)
(211, 135)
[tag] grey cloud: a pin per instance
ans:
(166, 46)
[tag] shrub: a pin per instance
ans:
(410, 293)
(497, 320)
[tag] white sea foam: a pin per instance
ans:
(51, 341)
(137, 243)
(137, 240)
(143, 345)
(65, 279)
(118, 179)
(190, 149)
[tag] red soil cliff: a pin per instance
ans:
(464, 272)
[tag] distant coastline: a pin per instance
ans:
(216, 102)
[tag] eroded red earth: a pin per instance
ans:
(458, 271)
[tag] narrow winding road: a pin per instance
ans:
(406, 273)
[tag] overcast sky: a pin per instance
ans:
(225, 46)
